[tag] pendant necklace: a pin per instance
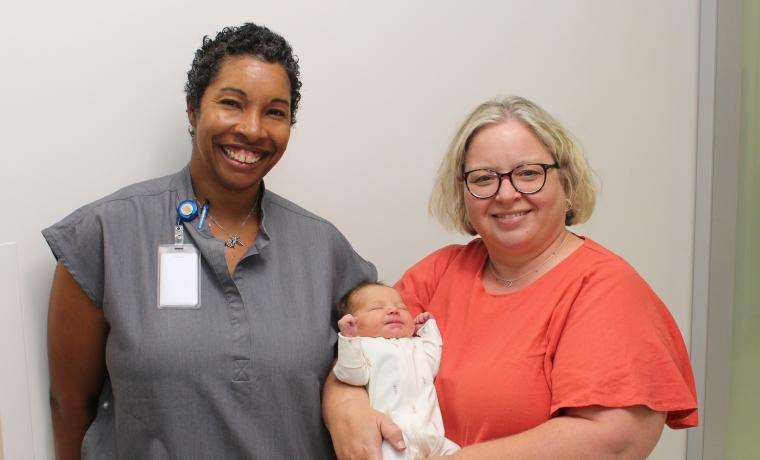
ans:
(233, 239)
(509, 282)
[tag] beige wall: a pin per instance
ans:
(95, 103)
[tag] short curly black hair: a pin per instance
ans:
(247, 39)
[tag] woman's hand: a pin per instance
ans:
(360, 435)
(356, 429)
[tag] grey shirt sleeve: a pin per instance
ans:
(77, 242)
(351, 270)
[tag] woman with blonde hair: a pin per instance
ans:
(554, 347)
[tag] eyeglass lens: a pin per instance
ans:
(484, 183)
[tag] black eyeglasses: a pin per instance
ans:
(526, 179)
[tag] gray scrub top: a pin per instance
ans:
(242, 376)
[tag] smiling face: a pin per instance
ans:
(511, 222)
(381, 313)
(242, 125)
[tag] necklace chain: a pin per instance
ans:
(510, 282)
(234, 238)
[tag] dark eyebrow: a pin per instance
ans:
(282, 101)
(242, 93)
(234, 90)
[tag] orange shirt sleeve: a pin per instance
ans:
(617, 345)
(418, 284)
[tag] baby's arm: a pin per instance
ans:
(431, 339)
(352, 366)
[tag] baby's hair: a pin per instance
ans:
(344, 304)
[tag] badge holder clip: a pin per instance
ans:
(179, 266)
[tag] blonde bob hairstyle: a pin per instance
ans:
(447, 200)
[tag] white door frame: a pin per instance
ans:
(716, 193)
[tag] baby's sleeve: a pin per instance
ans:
(431, 343)
(352, 367)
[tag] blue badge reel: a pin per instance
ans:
(187, 211)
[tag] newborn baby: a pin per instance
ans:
(396, 356)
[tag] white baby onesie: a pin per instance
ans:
(399, 377)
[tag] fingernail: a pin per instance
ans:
(400, 445)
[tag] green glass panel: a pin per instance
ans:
(743, 441)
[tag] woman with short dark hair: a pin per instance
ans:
(191, 315)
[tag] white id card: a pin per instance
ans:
(179, 268)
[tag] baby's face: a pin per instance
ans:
(381, 313)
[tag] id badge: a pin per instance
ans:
(179, 268)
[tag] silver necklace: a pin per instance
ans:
(509, 282)
(233, 239)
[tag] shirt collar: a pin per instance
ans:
(182, 184)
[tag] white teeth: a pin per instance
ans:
(511, 215)
(243, 156)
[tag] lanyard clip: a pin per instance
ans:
(179, 235)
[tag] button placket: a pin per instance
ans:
(242, 347)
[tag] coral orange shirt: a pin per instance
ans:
(588, 332)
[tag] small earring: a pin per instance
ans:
(191, 131)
